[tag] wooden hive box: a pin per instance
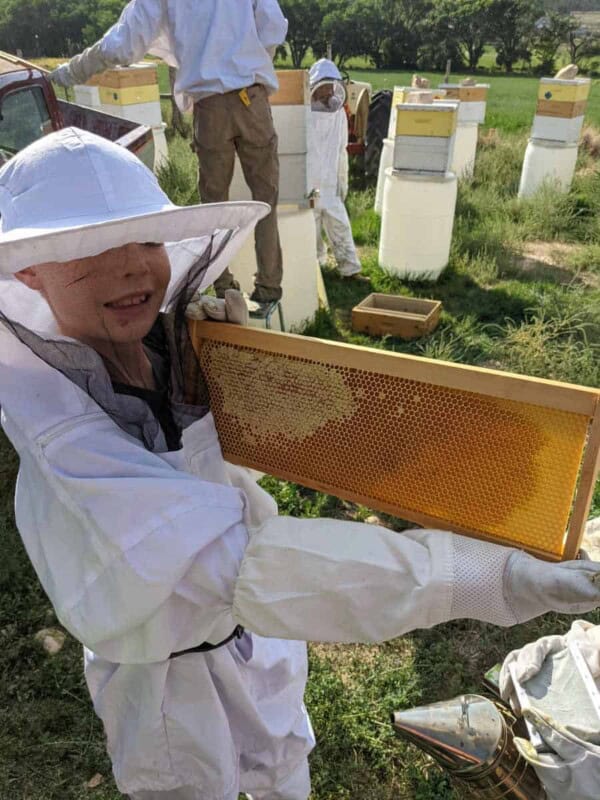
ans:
(492, 455)
(393, 315)
(293, 88)
(126, 77)
(466, 94)
(563, 90)
(561, 109)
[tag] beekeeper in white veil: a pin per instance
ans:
(192, 597)
(328, 166)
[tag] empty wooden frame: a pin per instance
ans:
(500, 457)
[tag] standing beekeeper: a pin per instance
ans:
(223, 51)
(192, 597)
(328, 166)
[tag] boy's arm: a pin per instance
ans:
(129, 39)
(141, 560)
(271, 25)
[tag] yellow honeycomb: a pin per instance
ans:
(491, 467)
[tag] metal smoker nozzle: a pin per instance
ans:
(471, 738)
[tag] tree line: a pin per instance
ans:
(394, 34)
(424, 34)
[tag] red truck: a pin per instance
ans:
(30, 109)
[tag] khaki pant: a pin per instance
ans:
(224, 125)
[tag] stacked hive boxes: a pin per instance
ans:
(401, 95)
(560, 109)
(551, 154)
(425, 134)
(419, 193)
(130, 93)
(472, 102)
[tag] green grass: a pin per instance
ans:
(537, 319)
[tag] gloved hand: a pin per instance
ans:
(572, 770)
(231, 309)
(62, 76)
(533, 587)
(528, 661)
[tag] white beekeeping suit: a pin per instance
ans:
(148, 554)
(328, 166)
(217, 45)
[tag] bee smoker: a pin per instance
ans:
(471, 737)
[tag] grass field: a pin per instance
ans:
(522, 293)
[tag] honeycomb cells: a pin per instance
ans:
(493, 467)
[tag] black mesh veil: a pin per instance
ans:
(169, 347)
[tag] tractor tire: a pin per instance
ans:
(377, 130)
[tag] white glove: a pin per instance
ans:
(231, 309)
(533, 587)
(62, 76)
(572, 770)
(528, 661)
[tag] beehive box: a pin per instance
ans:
(143, 74)
(563, 90)
(423, 153)
(392, 315)
(561, 109)
(491, 455)
(293, 88)
(557, 129)
(129, 95)
(473, 100)
(427, 120)
(425, 135)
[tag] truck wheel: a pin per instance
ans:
(377, 130)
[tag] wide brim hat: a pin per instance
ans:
(73, 195)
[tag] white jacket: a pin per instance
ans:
(217, 45)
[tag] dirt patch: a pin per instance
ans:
(547, 260)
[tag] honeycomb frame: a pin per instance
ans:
(493, 455)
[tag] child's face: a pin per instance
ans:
(113, 297)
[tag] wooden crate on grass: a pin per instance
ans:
(492, 455)
(392, 315)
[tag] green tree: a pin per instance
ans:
(581, 41)
(406, 32)
(354, 28)
(512, 26)
(464, 25)
(305, 18)
(551, 31)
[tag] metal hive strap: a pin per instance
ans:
(492, 455)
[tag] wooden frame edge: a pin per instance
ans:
(492, 383)
(590, 470)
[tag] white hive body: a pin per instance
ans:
(417, 223)
(303, 288)
(465, 149)
(87, 96)
(473, 100)
(547, 163)
(557, 129)
(386, 161)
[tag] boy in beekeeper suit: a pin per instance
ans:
(328, 166)
(193, 599)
